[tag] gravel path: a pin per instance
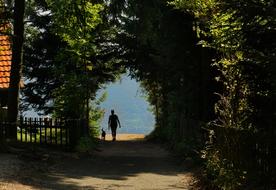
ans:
(128, 164)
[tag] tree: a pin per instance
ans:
(162, 50)
(16, 67)
(241, 33)
(69, 54)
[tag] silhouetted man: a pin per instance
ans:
(112, 123)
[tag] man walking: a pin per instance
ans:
(112, 123)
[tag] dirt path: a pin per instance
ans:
(129, 163)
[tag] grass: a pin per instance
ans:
(44, 137)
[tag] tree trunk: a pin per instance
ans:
(16, 67)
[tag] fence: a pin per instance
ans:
(39, 130)
(254, 152)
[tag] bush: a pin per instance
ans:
(86, 144)
(222, 172)
(159, 134)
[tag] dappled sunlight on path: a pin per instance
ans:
(129, 163)
(126, 137)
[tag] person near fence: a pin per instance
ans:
(113, 122)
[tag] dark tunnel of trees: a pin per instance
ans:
(208, 68)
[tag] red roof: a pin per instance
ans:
(5, 61)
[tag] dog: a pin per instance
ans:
(103, 135)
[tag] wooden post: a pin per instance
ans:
(1, 131)
(40, 130)
(25, 126)
(45, 128)
(35, 127)
(72, 133)
(51, 134)
(21, 128)
(56, 126)
(30, 126)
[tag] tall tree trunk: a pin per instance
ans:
(16, 67)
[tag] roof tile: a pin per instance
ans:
(5, 61)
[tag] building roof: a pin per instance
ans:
(5, 61)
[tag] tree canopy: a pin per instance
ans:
(207, 66)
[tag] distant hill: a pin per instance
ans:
(126, 99)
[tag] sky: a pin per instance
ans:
(126, 98)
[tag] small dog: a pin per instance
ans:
(103, 135)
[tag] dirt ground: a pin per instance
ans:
(130, 163)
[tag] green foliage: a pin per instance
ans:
(183, 52)
(96, 115)
(241, 33)
(223, 172)
(6, 13)
(196, 7)
(86, 145)
(162, 52)
(70, 98)
(70, 52)
(186, 148)
(67, 57)
(158, 135)
(76, 22)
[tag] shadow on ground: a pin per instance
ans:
(117, 165)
